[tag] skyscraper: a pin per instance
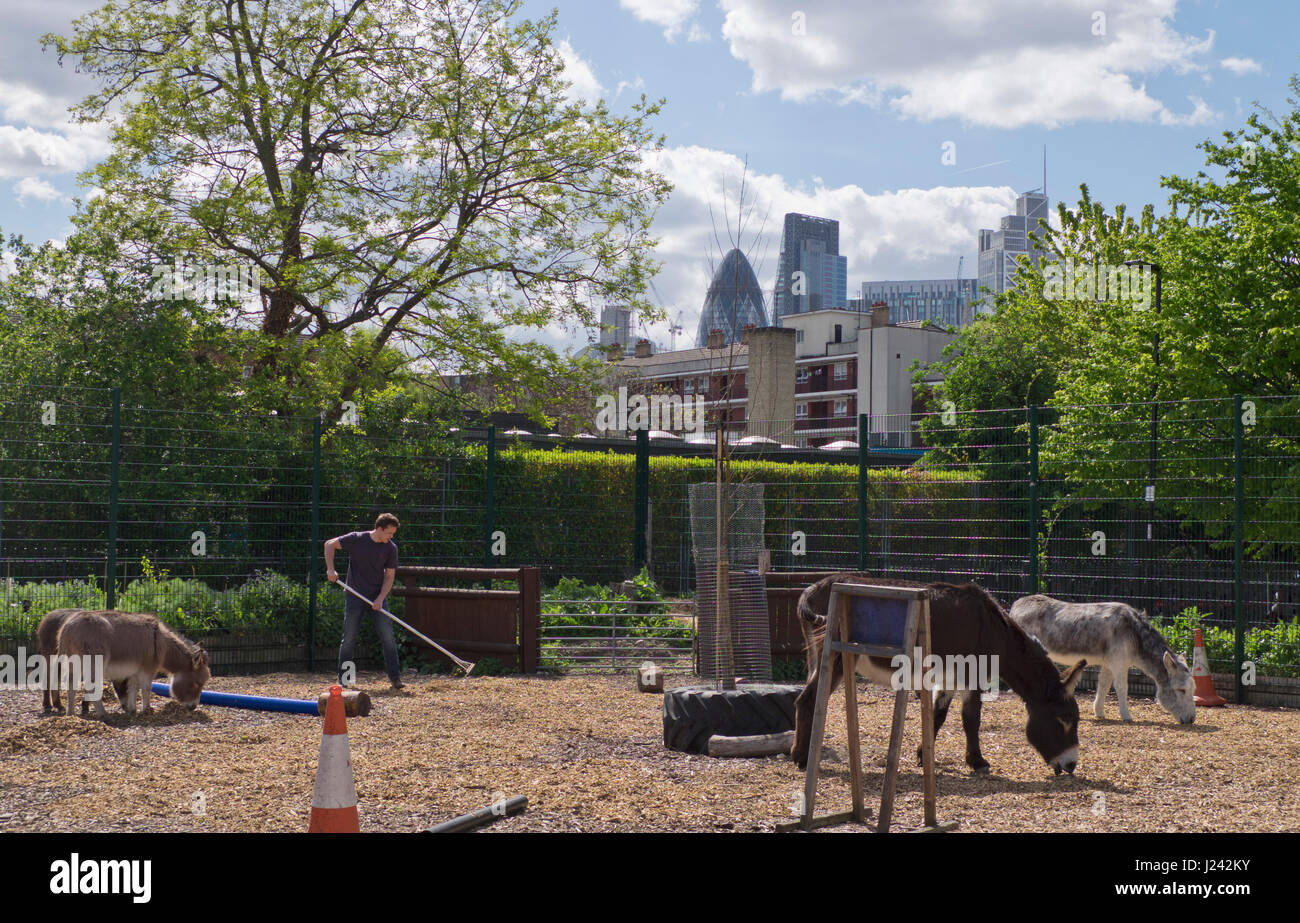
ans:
(733, 301)
(810, 246)
(1000, 249)
(945, 302)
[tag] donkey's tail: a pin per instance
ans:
(806, 610)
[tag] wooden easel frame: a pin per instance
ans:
(916, 634)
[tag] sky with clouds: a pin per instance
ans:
(840, 108)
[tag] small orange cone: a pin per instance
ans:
(334, 801)
(1205, 694)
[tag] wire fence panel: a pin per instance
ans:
(1187, 509)
(55, 446)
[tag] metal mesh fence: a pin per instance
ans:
(215, 521)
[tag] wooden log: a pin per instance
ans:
(650, 678)
(755, 745)
(356, 702)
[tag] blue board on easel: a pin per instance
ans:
(878, 621)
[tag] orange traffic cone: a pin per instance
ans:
(1205, 694)
(334, 801)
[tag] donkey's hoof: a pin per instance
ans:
(981, 768)
(147, 711)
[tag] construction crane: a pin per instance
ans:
(960, 312)
(673, 329)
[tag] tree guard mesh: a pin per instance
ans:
(750, 632)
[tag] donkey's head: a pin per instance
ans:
(1053, 725)
(1175, 695)
(189, 682)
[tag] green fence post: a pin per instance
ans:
(641, 498)
(1033, 498)
(114, 458)
(1238, 546)
(315, 542)
(490, 489)
(864, 433)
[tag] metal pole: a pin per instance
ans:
(1151, 461)
(490, 488)
(315, 543)
(1238, 546)
(1033, 498)
(114, 459)
(864, 430)
(641, 498)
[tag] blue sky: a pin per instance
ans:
(842, 107)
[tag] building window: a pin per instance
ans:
(801, 376)
(801, 411)
(690, 386)
(842, 407)
(841, 371)
(839, 333)
(798, 336)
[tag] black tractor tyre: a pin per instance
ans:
(693, 714)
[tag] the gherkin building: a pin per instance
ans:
(734, 301)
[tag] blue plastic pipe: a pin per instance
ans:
(253, 702)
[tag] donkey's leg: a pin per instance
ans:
(1104, 679)
(970, 722)
(805, 704)
(146, 690)
(1121, 691)
(942, 699)
(127, 698)
(54, 676)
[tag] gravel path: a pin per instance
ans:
(588, 752)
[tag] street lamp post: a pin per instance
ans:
(1155, 429)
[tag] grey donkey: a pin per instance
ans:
(1115, 636)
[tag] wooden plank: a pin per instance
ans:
(752, 745)
(927, 719)
(530, 619)
(460, 573)
(855, 747)
(819, 716)
(431, 592)
(896, 731)
(826, 820)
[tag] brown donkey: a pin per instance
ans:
(47, 639)
(135, 647)
(964, 620)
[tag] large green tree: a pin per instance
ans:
(416, 169)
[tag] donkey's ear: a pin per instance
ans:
(1170, 664)
(1071, 677)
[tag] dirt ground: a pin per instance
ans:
(588, 752)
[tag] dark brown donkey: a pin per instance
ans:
(964, 620)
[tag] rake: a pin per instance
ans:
(463, 664)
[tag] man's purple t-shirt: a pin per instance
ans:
(367, 560)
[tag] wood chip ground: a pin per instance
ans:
(588, 752)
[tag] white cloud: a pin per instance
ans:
(999, 63)
(29, 187)
(1240, 66)
(636, 84)
(901, 234)
(673, 16)
(583, 83)
(48, 141)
